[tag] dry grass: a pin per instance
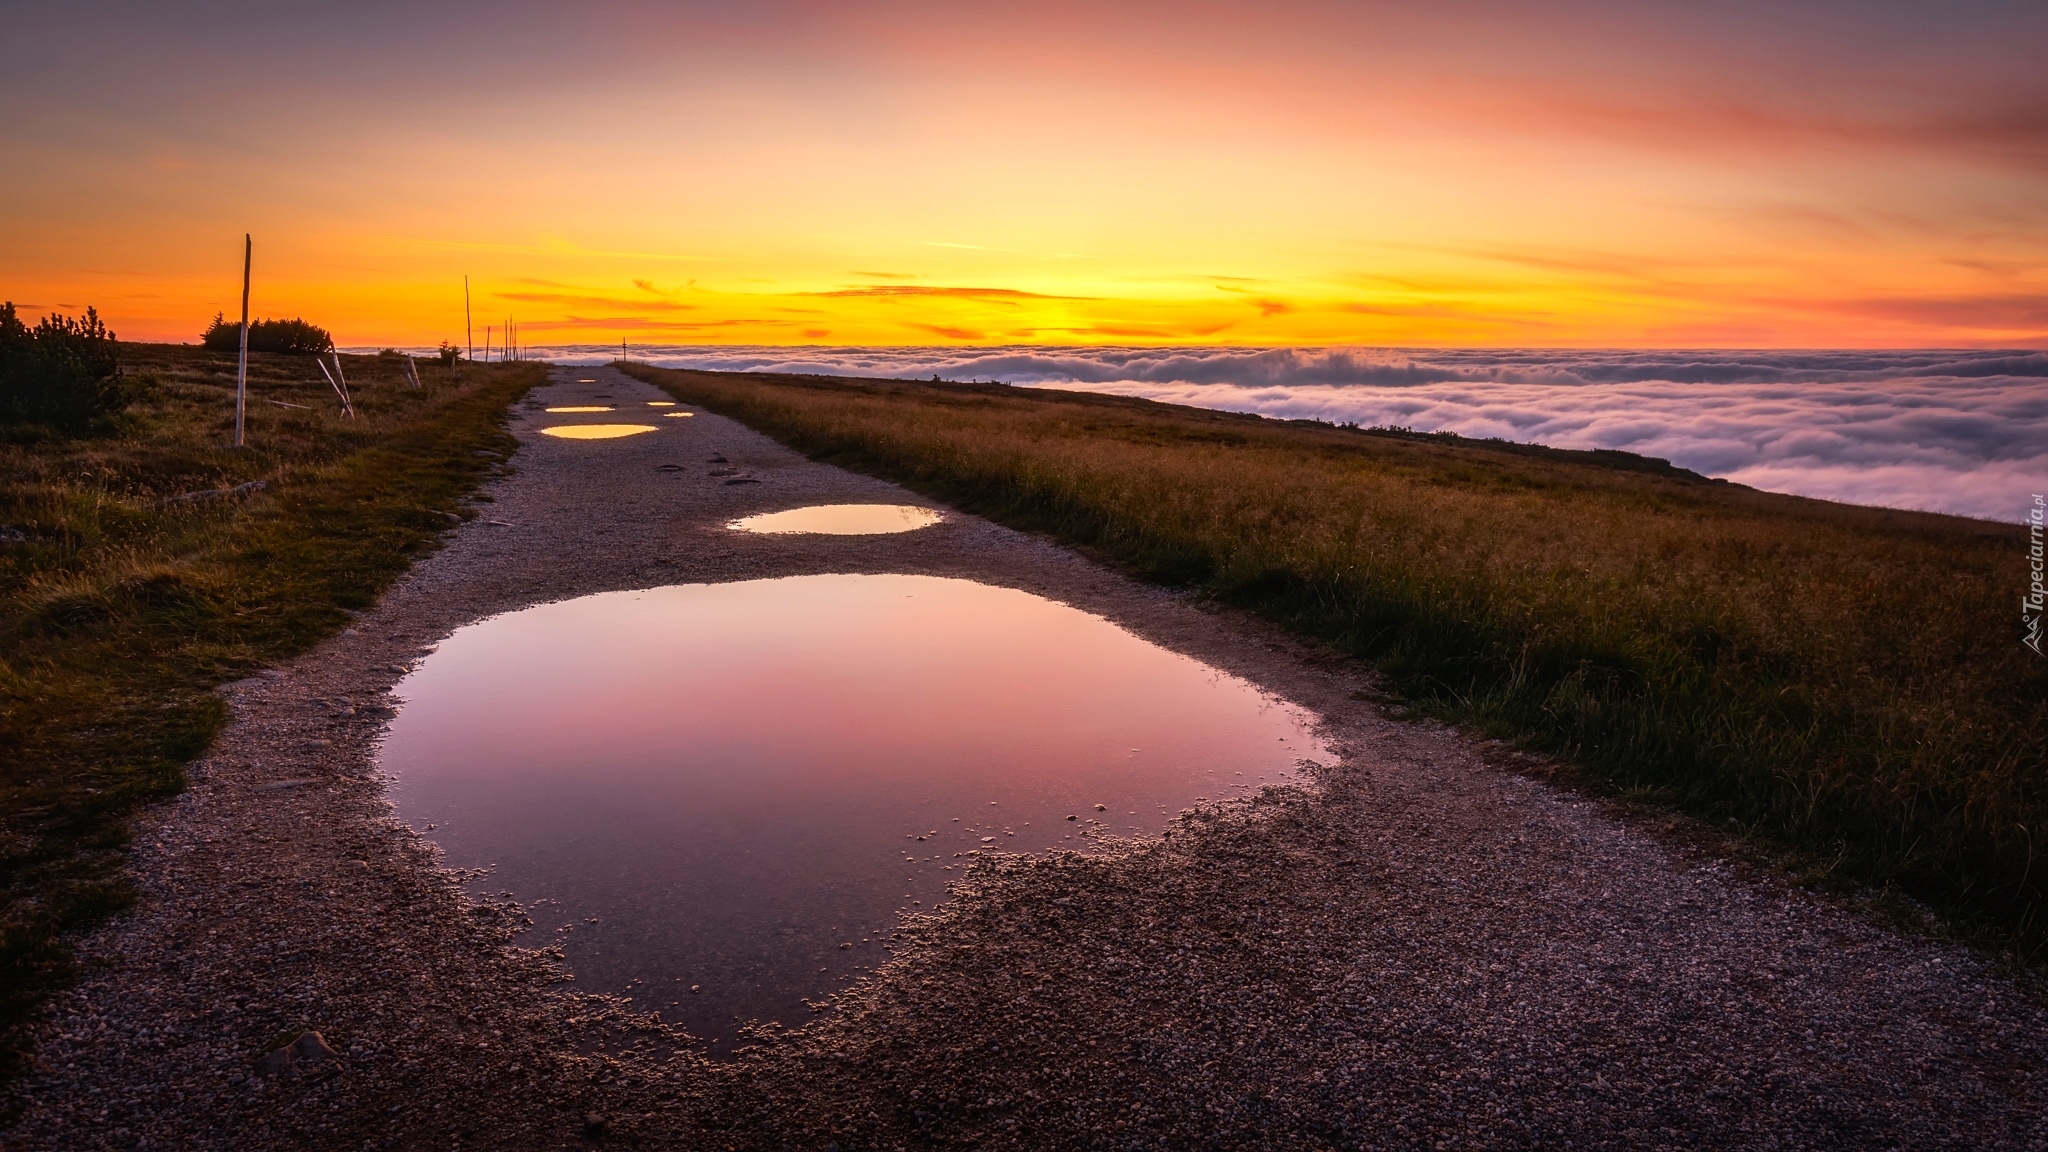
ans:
(120, 608)
(1844, 680)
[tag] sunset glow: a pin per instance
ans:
(890, 174)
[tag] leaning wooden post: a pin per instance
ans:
(242, 364)
(322, 366)
(347, 405)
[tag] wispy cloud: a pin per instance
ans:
(2006, 126)
(1010, 251)
(1148, 331)
(2017, 310)
(561, 249)
(998, 295)
(585, 300)
(950, 332)
(644, 324)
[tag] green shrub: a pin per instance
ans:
(267, 336)
(63, 373)
(448, 354)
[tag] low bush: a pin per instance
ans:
(62, 374)
(289, 336)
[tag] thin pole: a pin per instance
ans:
(242, 363)
(347, 405)
(338, 389)
(468, 325)
(487, 343)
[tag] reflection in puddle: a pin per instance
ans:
(720, 785)
(661, 403)
(583, 408)
(678, 413)
(596, 431)
(841, 520)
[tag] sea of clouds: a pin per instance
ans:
(1945, 431)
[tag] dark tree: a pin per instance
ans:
(63, 373)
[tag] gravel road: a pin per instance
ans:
(1426, 949)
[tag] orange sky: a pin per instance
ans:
(909, 173)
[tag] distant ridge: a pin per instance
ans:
(1612, 458)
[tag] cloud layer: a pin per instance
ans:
(1964, 432)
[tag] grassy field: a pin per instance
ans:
(1845, 681)
(122, 605)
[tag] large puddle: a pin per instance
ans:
(596, 431)
(723, 786)
(840, 520)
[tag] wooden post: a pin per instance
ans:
(322, 365)
(242, 363)
(468, 325)
(348, 406)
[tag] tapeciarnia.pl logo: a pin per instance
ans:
(2031, 604)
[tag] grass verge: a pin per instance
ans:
(124, 600)
(1845, 681)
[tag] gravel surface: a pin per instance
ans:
(1424, 950)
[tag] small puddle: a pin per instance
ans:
(840, 520)
(724, 785)
(596, 431)
(678, 413)
(581, 408)
(661, 403)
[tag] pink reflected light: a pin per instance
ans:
(732, 778)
